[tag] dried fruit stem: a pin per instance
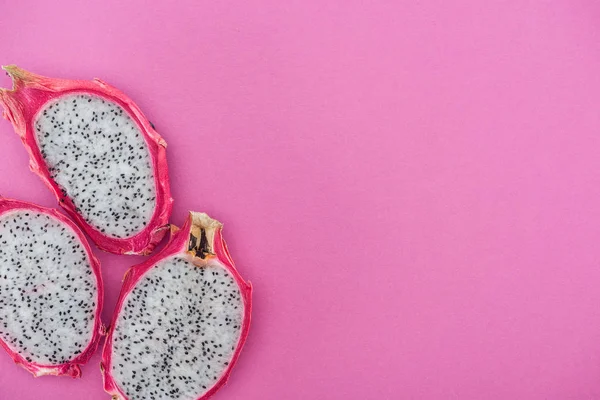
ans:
(202, 235)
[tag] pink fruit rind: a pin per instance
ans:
(71, 368)
(21, 104)
(178, 243)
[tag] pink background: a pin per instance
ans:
(412, 187)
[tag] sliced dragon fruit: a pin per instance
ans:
(181, 319)
(96, 151)
(50, 290)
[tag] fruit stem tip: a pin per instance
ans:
(203, 221)
(13, 71)
(202, 234)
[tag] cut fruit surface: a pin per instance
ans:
(51, 290)
(97, 152)
(181, 319)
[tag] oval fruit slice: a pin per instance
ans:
(50, 290)
(97, 152)
(181, 319)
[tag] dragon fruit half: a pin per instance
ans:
(97, 152)
(181, 319)
(50, 290)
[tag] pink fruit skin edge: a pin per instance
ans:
(177, 245)
(30, 92)
(71, 368)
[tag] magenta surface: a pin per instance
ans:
(413, 188)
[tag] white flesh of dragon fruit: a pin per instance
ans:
(48, 292)
(98, 156)
(177, 331)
